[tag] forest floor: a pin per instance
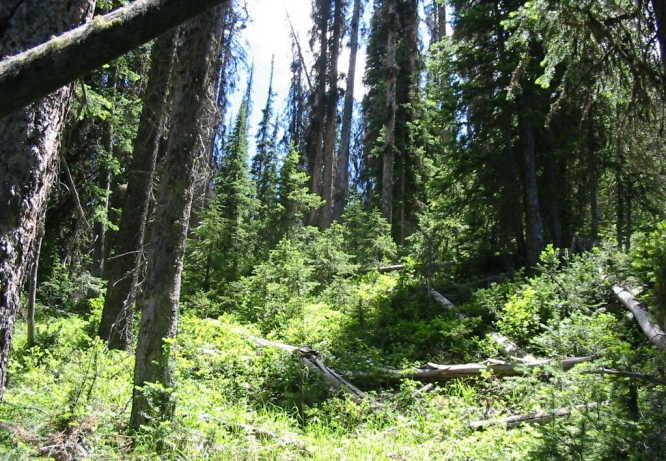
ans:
(69, 397)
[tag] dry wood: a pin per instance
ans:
(399, 267)
(312, 361)
(538, 417)
(436, 372)
(627, 374)
(441, 299)
(654, 332)
(38, 71)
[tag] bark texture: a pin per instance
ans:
(388, 162)
(194, 79)
(123, 268)
(654, 332)
(29, 144)
(342, 169)
(35, 73)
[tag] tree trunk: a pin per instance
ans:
(194, 80)
(534, 227)
(32, 300)
(316, 130)
(123, 269)
(29, 144)
(331, 130)
(660, 19)
(342, 169)
(653, 330)
(388, 162)
(41, 70)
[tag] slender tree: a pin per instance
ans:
(342, 168)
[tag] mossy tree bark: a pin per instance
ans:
(38, 71)
(193, 101)
(123, 269)
(29, 145)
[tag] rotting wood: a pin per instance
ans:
(38, 71)
(537, 417)
(654, 332)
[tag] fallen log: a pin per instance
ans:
(538, 417)
(436, 372)
(399, 267)
(627, 374)
(41, 70)
(654, 332)
(312, 361)
(441, 299)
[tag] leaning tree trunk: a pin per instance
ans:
(123, 268)
(29, 144)
(331, 125)
(193, 100)
(342, 169)
(388, 161)
(35, 73)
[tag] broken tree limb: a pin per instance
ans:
(441, 299)
(538, 417)
(399, 267)
(654, 332)
(627, 374)
(35, 73)
(436, 372)
(312, 361)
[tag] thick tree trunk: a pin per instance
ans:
(41, 70)
(342, 169)
(331, 130)
(123, 269)
(388, 162)
(29, 144)
(316, 130)
(194, 80)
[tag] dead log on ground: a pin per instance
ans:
(539, 417)
(627, 374)
(436, 372)
(441, 299)
(312, 361)
(654, 332)
(399, 267)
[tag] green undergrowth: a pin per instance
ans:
(69, 397)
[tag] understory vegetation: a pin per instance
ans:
(68, 396)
